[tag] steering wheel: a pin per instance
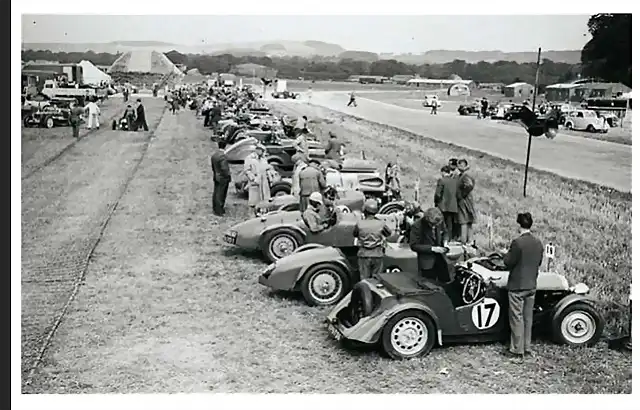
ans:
(472, 286)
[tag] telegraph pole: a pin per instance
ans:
(533, 108)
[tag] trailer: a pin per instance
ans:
(72, 72)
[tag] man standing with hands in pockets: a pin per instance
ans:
(523, 260)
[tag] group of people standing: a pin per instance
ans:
(76, 112)
(135, 117)
(454, 198)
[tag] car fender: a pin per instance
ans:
(285, 227)
(404, 306)
(329, 255)
(570, 300)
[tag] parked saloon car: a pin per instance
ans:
(408, 315)
(278, 234)
(586, 120)
(324, 274)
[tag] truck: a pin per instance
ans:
(282, 92)
(53, 89)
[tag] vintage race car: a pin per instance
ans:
(324, 274)
(47, 117)
(278, 234)
(408, 315)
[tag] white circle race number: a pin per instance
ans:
(485, 314)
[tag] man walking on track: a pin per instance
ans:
(523, 260)
(74, 119)
(371, 234)
(141, 120)
(352, 99)
(221, 179)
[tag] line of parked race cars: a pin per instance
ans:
(400, 311)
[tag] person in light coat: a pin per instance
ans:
(94, 112)
(257, 170)
(299, 164)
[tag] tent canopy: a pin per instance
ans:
(92, 74)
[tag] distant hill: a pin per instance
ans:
(307, 48)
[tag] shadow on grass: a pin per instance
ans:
(239, 252)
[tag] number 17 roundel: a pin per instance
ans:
(485, 314)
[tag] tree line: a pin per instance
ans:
(606, 56)
(323, 68)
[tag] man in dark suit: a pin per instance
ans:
(141, 120)
(221, 179)
(446, 200)
(427, 240)
(523, 260)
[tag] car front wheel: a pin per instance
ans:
(579, 324)
(324, 284)
(281, 243)
(408, 334)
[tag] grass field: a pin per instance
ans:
(165, 307)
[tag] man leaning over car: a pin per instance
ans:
(523, 260)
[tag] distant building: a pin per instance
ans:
(438, 83)
(577, 92)
(498, 87)
(402, 78)
(373, 79)
(519, 90)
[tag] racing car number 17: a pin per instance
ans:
(485, 314)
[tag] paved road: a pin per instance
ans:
(600, 162)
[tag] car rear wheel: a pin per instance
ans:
(408, 334)
(281, 188)
(591, 128)
(324, 284)
(579, 324)
(281, 243)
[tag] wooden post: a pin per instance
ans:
(533, 108)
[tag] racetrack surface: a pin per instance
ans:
(599, 162)
(64, 208)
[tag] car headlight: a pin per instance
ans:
(580, 289)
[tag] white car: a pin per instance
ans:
(585, 120)
(431, 100)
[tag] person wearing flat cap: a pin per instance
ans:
(257, 170)
(311, 180)
(427, 238)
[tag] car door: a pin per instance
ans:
(487, 316)
(579, 121)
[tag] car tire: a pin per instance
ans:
(361, 303)
(324, 284)
(568, 325)
(25, 121)
(569, 125)
(274, 243)
(591, 128)
(391, 207)
(281, 188)
(508, 117)
(48, 122)
(419, 333)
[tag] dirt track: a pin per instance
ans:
(603, 163)
(64, 207)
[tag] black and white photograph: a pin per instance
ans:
(289, 201)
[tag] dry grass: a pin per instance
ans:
(167, 308)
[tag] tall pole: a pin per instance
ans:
(533, 108)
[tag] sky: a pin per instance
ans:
(396, 34)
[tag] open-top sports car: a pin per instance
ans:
(278, 234)
(351, 199)
(407, 315)
(324, 274)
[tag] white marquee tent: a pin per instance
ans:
(92, 74)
